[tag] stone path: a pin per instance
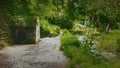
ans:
(46, 54)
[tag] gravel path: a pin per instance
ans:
(46, 54)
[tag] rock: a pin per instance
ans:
(83, 38)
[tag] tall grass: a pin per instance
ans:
(110, 42)
(80, 56)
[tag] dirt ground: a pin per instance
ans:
(46, 54)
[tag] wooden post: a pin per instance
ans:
(38, 30)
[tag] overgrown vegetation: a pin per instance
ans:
(5, 34)
(62, 21)
(83, 54)
(99, 20)
(80, 53)
(48, 30)
(69, 40)
(110, 42)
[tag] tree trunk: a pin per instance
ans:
(92, 19)
(57, 10)
(108, 27)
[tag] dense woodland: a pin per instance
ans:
(102, 28)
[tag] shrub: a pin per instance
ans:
(3, 44)
(110, 42)
(80, 56)
(69, 40)
(62, 21)
(48, 30)
(76, 32)
(114, 65)
(44, 32)
(83, 59)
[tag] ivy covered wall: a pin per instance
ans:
(5, 34)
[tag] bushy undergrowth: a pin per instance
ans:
(110, 42)
(79, 55)
(48, 30)
(69, 40)
(4, 44)
(5, 33)
(62, 21)
(114, 65)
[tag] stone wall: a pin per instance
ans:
(23, 35)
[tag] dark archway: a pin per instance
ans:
(20, 36)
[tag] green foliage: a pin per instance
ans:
(48, 30)
(79, 53)
(5, 34)
(110, 42)
(82, 58)
(3, 44)
(69, 40)
(62, 21)
(76, 32)
(107, 12)
(104, 12)
(114, 65)
(27, 10)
